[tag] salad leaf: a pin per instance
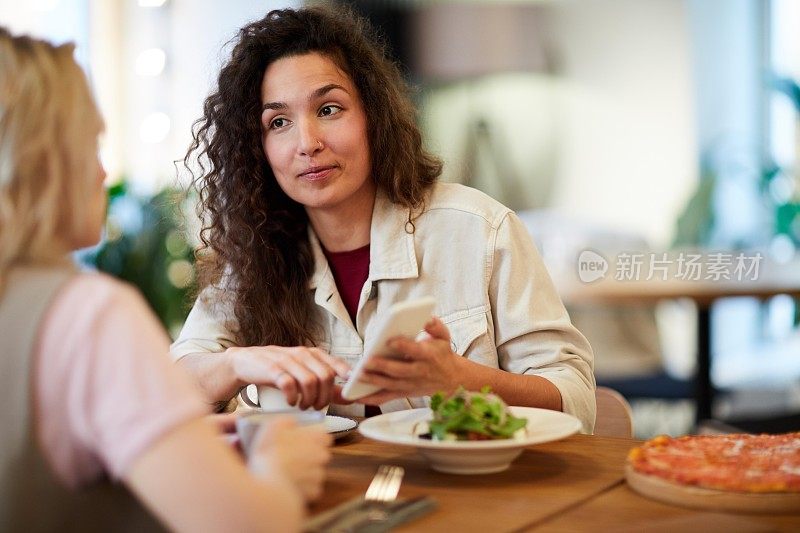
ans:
(472, 416)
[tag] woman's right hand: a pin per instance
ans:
(283, 450)
(301, 373)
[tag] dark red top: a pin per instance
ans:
(350, 271)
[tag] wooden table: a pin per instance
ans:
(773, 279)
(573, 484)
(623, 510)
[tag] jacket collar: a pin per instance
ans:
(391, 251)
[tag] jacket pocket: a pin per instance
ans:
(464, 332)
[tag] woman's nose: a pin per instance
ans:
(309, 142)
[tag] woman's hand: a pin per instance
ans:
(301, 373)
(427, 366)
(283, 450)
(224, 424)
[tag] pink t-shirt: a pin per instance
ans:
(105, 388)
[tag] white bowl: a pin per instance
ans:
(469, 457)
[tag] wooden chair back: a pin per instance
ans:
(614, 416)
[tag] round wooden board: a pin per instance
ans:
(710, 499)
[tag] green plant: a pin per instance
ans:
(786, 210)
(146, 246)
(696, 222)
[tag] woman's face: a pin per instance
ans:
(95, 209)
(315, 133)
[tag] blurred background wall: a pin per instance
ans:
(608, 114)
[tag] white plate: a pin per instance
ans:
(473, 457)
(339, 426)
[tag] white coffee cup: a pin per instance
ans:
(271, 399)
(248, 424)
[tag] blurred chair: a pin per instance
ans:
(614, 417)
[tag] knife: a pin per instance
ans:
(325, 521)
(358, 515)
(385, 517)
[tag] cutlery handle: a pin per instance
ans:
(395, 514)
(358, 516)
(327, 520)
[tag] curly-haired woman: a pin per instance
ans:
(101, 432)
(322, 209)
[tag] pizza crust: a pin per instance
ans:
(711, 499)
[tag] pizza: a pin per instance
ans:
(740, 463)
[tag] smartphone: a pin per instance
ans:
(403, 319)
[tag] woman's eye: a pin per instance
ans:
(329, 110)
(277, 123)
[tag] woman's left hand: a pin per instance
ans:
(426, 367)
(223, 423)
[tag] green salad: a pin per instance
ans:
(472, 416)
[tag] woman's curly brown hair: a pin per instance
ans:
(254, 236)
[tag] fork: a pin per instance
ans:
(382, 491)
(385, 485)
(377, 511)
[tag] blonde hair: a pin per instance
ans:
(48, 133)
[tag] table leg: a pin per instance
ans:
(704, 389)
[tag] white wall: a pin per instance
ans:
(628, 151)
(200, 29)
(192, 33)
(55, 20)
(110, 35)
(610, 137)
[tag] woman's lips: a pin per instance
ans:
(316, 173)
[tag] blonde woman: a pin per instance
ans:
(89, 394)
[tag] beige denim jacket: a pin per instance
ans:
(475, 257)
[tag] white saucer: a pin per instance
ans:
(339, 426)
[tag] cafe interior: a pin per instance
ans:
(634, 138)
